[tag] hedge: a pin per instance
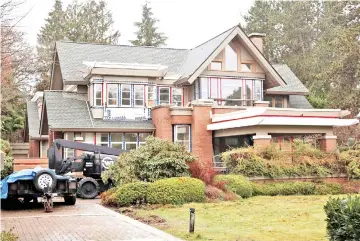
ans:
(236, 184)
(132, 193)
(176, 190)
(343, 218)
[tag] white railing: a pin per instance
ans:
(127, 113)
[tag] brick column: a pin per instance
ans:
(34, 148)
(328, 143)
(261, 141)
(201, 137)
(162, 121)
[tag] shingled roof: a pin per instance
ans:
(33, 119)
(69, 110)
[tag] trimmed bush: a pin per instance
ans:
(237, 184)
(177, 190)
(8, 161)
(295, 188)
(132, 193)
(343, 218)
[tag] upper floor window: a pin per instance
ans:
(246, 67)
(139, 95)
(216, 65)
(98, 94)
(151, 96)
(177, 96)
(125, 95)
(112, 94)
(164, 93)
(231, 59)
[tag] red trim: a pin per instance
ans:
(330, 117)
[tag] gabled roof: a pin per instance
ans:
(33, 119)
(293, 85)
(70, 110)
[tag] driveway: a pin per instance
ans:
(87, 220)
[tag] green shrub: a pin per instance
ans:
(343, 218)
(284, 188)
(176, 190)
(273, 163)
(8, 236)
(132, 193)
(237, 184)
(328, 188)
(156, 159)
(8, 161)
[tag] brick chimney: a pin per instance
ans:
(257, 39)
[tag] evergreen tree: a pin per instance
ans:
(81, 22)
(148, 34)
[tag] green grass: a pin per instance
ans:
(260, 218)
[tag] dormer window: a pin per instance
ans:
(216, 65)
(125, 95)
(164, 95)
(246, 67)
(98, 94)
(139, 95)
(112, 94)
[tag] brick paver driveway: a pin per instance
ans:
(87, 220)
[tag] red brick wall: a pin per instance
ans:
(34, 148)
(328, 145)
(181, 119)
(201, 137)
(162, 121)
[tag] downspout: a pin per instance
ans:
(88, 108)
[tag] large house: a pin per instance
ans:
(223, 93)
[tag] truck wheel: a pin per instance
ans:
(43, 179)
(70, 200)
(88, 188)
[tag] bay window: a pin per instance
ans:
(130, 141)
(164, 93)
(231, 91)
(97, 94)
(112, 94)
(125, 95)
(116, 140)
(139, 95)
(177, 96)
(182, 135)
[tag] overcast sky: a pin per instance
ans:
(186, 23)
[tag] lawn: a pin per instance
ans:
(262, 218)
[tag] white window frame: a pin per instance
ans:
(142, 142)
(100, 142)
(116, 94)
(181, 96)
(136, 89)
(122, 95)
(68, 152)
(101, 91)
(182, 141)
(130, 142)
(117, 142)
(164, 87)
(148, 99)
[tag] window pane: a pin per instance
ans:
(125, 102)
(116, 137)
(164, 95)
(98, 102)
(143, 136)
(214, 88)
(257, 89)
(177, 96)
(98, 94)
(125, 88)
(139, 102)
(278, 101)
(183, 133)
(231, 59)
(130, 146)
(164, 90)
(215, 66)
(116, 145)
(69, 136)
(231, 88)
(130, 137)
(126, 95)
(246, 67)
(104, 137)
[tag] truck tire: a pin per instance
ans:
(70, 200)
(44, 178)
(88, 188)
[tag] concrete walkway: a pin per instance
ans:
(87, 220)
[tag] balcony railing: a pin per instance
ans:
(127, 113)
